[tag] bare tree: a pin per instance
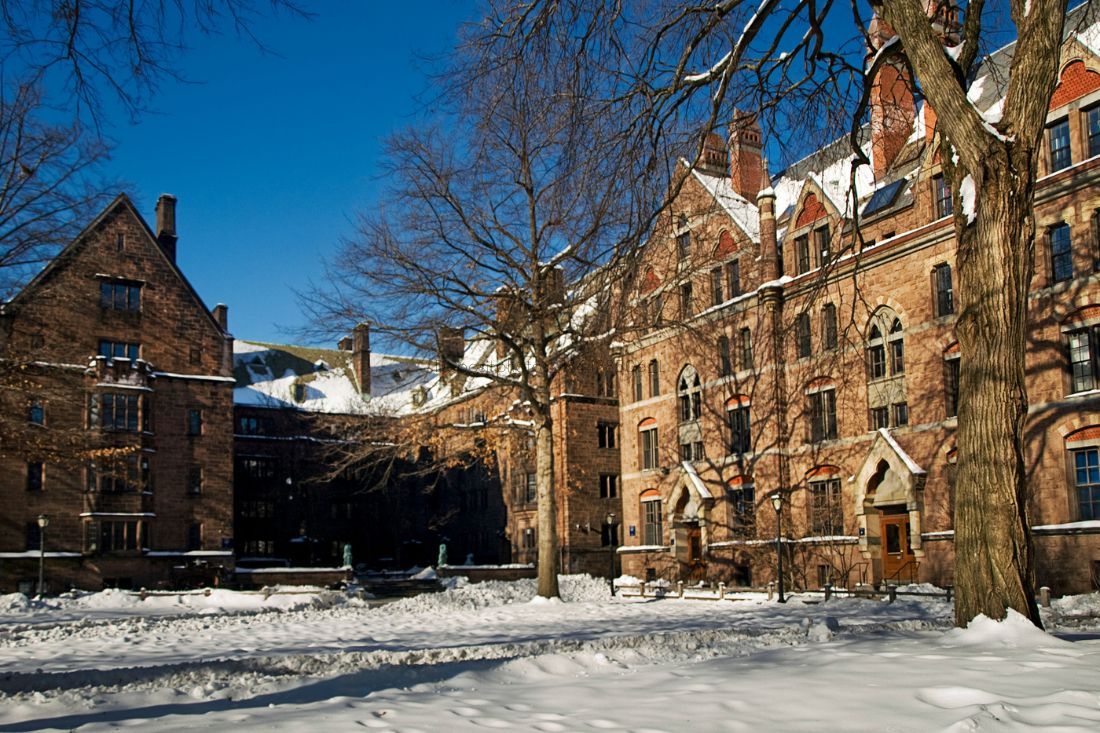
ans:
(501, 229)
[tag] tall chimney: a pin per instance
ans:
(360, 356)
(893, 110)
(166, 224)
(745, 147)
(221, 315)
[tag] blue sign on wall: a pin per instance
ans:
(633, 531)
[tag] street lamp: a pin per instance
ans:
(609, 520)
(777, 504)
(43, 521)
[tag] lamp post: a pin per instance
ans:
(777, 504)
(609, 520)
(43, 521)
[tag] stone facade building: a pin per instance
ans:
(119, 414)
(785, 349)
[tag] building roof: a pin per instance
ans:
(268, 375)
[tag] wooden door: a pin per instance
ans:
(897, 557)
(695, 554)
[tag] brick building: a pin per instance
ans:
(782, 349)
(118, 415)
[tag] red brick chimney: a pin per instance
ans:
(893, 110)
(360, 356)
(745, 147)
(166, 224)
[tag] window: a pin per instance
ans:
(194, 480)
(648, 437)
(253, 425)
(716, 286)
(880, 418)
(36, 413)
(194, 355)
(120, 296)
(683, 245)
(258, 548)
(823, 415)
(821, 240)
(609, 485)
(529, 542)
(725, 362)
(194, 536)
(945, 295)
(826, 512)
(951, 384)
(255, 509)
(652, 532)
(740, 429)
(1061, 253)
(298, 392)
(686, 305)
(636, 378)
(654, 378)
(1083, 358)
(116, 536)
(742, 502)
(901, 413)
(802, 251)
(605, 383)
(1059, 145)
(876, 355)
(1086, 464)
(802, 335)
(746, 348)
(942, 193)
(115, 476)
(194, 422)
(112, 350)
(1092, 123)
(828, 326)
(896, 340)
(34, 476)
(606, 434)
(111, 411)
(691, 451)
(689, 392)
(531, 488)
(256, 469)
(733, 278)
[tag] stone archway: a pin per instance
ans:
(888, 496)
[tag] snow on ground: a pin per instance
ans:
(488, 656)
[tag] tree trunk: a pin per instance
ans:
(547, 508)
(994, 569)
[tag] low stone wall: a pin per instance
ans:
(480, 573)
(251, 578)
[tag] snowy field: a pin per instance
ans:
(487, 656)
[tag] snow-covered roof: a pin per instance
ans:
(743, 213)
(269, 375)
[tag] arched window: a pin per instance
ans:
(647, 439)
(886, 390)
(652, 530)
(689, 390)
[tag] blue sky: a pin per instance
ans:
(271, 156)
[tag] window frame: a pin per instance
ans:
(829, 336)
(654, 378)
(803, 338)
(826, 507)
(823, 423)
(649, 445)
(1061, 252)
(943, 291)
(652, 520)
(1058, 145)
(739, 422)
(941, 196)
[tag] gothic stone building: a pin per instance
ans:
(784, 350)
(117, 425)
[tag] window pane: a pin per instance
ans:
(1059, 146)
(1061, 255)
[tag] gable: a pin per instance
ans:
(812, 210)
(1076, 81)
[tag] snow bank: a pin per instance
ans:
(1015, 632)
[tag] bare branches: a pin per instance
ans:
(98, 51)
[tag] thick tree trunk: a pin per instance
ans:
(548, 510)
(992, 536)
